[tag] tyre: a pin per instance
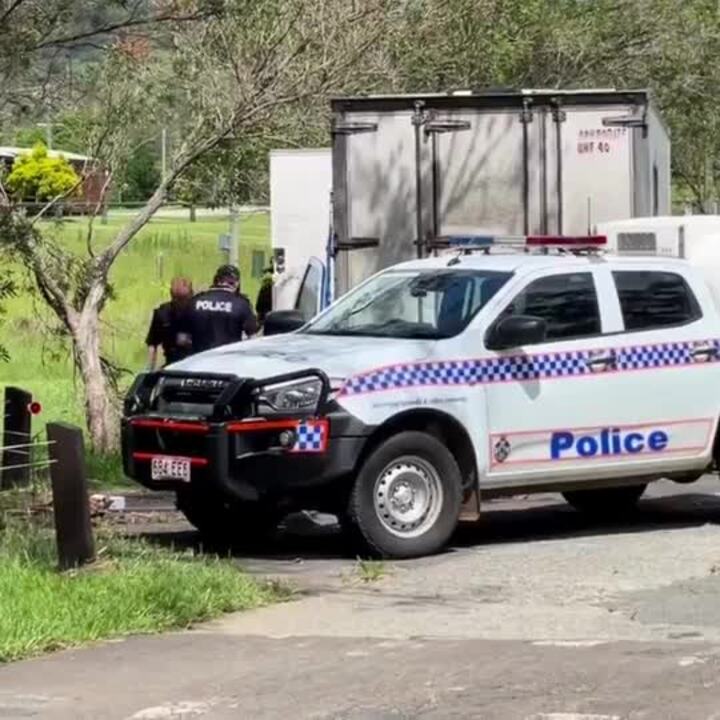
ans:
(407, 496)
(605, 501)
(219, 520)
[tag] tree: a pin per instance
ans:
(668, 46)
(141, 174)
(38, 176)
(42, 42)
(222, 76)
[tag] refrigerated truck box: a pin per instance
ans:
(300, 184)
(409, 169)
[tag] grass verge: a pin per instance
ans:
(132, 588)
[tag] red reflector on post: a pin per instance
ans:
(574, 241)
(34, 408)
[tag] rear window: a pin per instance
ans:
(651, 300)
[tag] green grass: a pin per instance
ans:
(105, 472)
(132, 588)
(166, 247)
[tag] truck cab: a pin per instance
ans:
(540, 365)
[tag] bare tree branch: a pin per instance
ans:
(102, 196)
(11, 9)
(111, 28)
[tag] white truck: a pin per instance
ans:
(300, 188)
(533, 365)
(409, 170)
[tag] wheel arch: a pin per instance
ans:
(446, 428)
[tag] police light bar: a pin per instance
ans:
(574, 242)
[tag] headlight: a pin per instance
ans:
(296, 396)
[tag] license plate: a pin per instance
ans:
(170, 468)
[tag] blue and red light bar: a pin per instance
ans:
(572, 242)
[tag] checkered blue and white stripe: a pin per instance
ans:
(311, 437)
(654, 356)
(519, 367)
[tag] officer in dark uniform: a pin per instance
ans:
(263, 305)
(222, 314)
(170, 327)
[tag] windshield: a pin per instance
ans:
(433, 304)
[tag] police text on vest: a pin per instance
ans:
(213, 306)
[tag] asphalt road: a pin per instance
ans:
(535, 613)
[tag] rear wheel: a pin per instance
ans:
(221, 520)
(407, 495)
(605, 501)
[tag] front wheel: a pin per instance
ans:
(605, 501)
(407, 496)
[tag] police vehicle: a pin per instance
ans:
(500, 366)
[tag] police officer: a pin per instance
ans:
(222, 314)
(170, 325)
(263, 304)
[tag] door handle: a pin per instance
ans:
(706, 352)
(601, 362)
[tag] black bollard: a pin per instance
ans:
(17, 439)
(71, 504)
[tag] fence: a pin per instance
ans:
(23, 454)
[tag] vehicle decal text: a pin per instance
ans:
(616, 442)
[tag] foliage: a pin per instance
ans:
(140, 175)
(7, 289)
(132, 588)
(224, 74)
(665, 45)
(12, 227)
(70, 130)
(38, 176)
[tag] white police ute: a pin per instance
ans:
(535, 364)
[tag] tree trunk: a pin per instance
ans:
(193, 213)
(101, 415)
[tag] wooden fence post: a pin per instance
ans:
(71, 504)
(17, 436)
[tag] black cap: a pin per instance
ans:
(226, 273)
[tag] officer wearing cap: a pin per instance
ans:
(222, 314)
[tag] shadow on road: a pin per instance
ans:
(503, 521)
(555, 520)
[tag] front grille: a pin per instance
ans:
(199, 396)
(200, 391)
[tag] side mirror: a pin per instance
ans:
(516, 331)
(282, 321)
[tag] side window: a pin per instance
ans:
(568, 304)
(307, 299)
(651, 299)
